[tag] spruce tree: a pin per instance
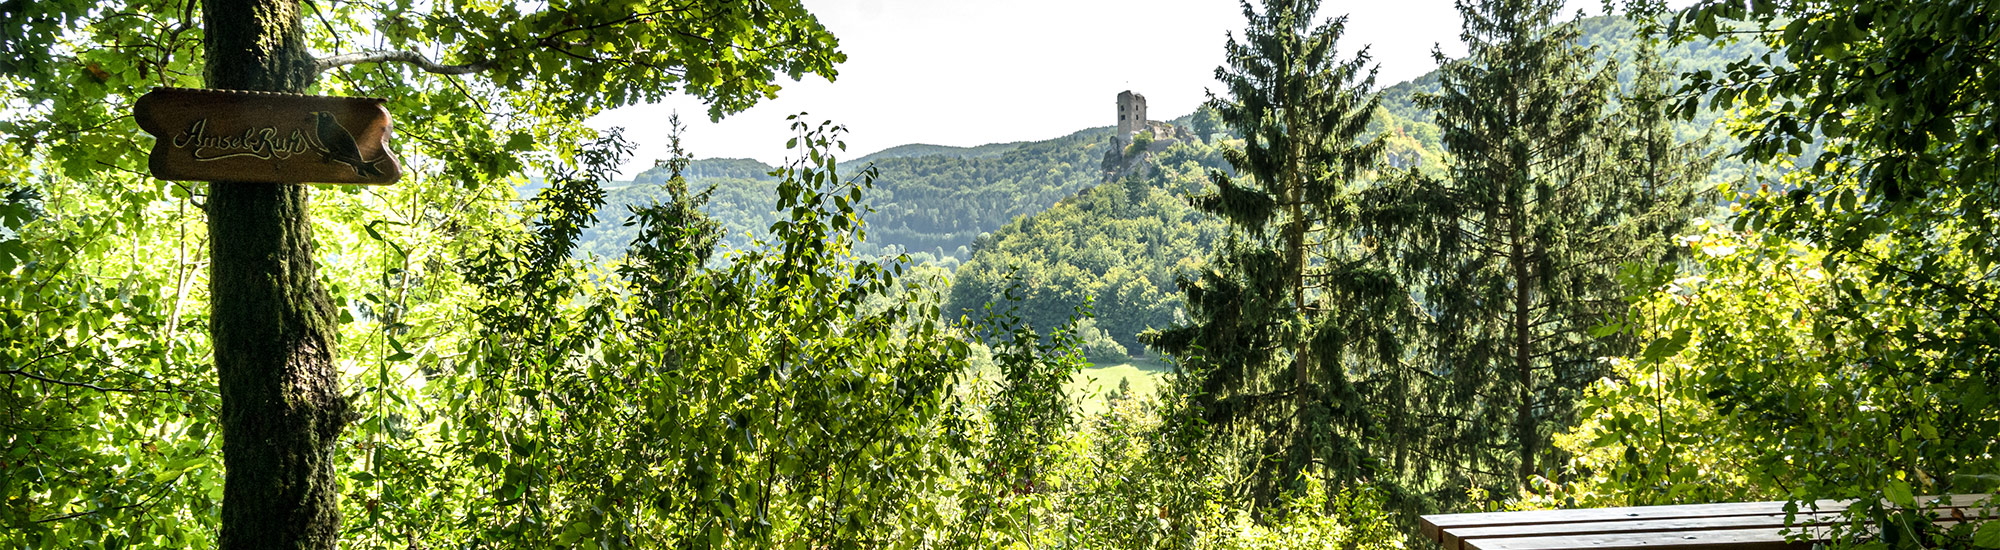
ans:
(1272, 321)
(1514, 253)
(1664, 175)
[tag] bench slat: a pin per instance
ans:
(1433, 524)
(1732, 539)
(1739, 525)
(1455, 539)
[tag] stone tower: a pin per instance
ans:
(1131, 115)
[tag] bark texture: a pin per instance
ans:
(271, 321)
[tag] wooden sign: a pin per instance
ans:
(228, 135)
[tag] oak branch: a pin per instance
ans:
(403, 56)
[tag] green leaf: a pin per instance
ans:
(1898, 493)
(1668, 346)
(1988, 535)
(520, 141)
(570, 534)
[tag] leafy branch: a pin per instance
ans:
(86, 385)
(401, 56)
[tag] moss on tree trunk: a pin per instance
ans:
(271, 321)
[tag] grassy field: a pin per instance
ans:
(1090, 386)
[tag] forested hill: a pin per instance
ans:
(928, 150)
(1117, 247)
(929, 200)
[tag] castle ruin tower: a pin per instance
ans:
(1131, 115)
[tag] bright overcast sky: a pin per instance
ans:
(970, 72)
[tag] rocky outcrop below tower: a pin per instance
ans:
(1128, 155)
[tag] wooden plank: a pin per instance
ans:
(1455, 539)
(1957, 501)
(1768, 538)
(1436, 527)
(1433, 525)
(1733, 539)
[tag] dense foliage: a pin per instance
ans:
(1840, 337)
(72, 72)
(1511, 254)
(1464, 292)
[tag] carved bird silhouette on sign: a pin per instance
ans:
(337, 145)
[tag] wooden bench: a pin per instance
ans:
(1733, 526)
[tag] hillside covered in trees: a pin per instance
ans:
(928, 200)
(1116, 247)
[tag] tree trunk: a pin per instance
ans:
(271, 322)
(1295, 256)
(1523, 356)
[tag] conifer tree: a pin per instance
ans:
(1273, 320)
(1664, 175)
(1514, 253)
